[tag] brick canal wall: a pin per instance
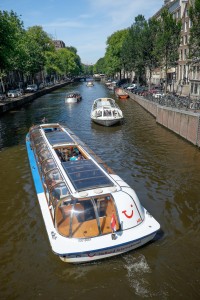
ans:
(14, 103)
(184, 123)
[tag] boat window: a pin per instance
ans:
(76, 218)
(53, 177)
(48, 165)
(44, 154)
(107, 112)
(84, 223)
(34, 130)
(35, 135)
(38, 140)
(99, 113)
(41, 147)
(63, 217)
(106, 210)
(58, 192)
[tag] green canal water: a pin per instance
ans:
(163, 169)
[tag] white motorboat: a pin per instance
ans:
(73, 97)
(90, 83)
(106, 112)
(89, 212)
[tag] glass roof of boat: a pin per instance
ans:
(105, 102)
(73, 93)
(85, 174)
(58, 137)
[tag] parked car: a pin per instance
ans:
(31, 88)
(132, 86)
(158, 94)
(13, 94)
(2, 96)
(139, 90)
(20, 91)
(41, 86)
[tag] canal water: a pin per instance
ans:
(163, 169)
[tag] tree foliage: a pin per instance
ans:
(113, 62)
(168, 40)
(30, 51)
(99, 67)
(194, 44)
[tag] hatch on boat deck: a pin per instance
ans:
(58, 137)
(85, 174)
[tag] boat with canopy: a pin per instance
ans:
(89, 212)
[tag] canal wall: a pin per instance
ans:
(15, 103)
(184, 123)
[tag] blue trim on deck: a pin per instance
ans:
(34, 168)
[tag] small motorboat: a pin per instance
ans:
(73, 97)
(106, 112)
(121, 94)
(90, 83)
(89, 212)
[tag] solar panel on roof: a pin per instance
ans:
(58, 137)
(84, 174)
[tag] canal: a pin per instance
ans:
(163, 169)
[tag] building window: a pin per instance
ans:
(192, 88)
(182, 40)
(185, 39)
(185, 26)
(181, 54)
(185, 54)
(195, 88)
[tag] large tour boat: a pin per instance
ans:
(89, 212)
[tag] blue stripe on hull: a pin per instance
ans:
(112, 248)
(34, 168)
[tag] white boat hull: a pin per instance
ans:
(71, 100)
(106, 122)
(106, 253)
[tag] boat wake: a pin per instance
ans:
(139, 276)
(136, 268)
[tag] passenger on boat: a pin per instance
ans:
(70, 151)
(74, 156)
(76, 150)
(99, 113)
(80, 156)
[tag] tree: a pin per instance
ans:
(194, 44)
(36, 43)
(168, 41)
(149, 40)
(133, 47)
(11, 29)
(113, 62)
(99, 67)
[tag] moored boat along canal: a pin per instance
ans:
(161, 167)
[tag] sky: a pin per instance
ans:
(83, 24)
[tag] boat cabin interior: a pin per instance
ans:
(86, 217)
